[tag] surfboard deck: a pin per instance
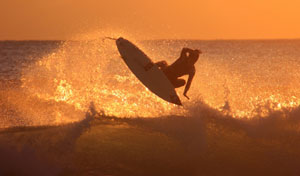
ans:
(146, 71)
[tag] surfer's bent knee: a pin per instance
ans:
(162, 64)
(179, 83)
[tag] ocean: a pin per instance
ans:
(74, 108)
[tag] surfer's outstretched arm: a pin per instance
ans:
(189, 82)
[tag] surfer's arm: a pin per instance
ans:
(189, 82)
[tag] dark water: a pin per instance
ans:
(73, 108)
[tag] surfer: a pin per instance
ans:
(184, 65)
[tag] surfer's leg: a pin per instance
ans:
(162, 64)
(178, 83)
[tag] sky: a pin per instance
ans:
(150, 19)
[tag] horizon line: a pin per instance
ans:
(59, 40)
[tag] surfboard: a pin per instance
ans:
(146, 71)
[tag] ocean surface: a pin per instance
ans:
(74, 108)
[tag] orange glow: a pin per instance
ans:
(190, 19)
(66, 77)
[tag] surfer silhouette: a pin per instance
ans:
(184, 65)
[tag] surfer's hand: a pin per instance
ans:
(186, 96)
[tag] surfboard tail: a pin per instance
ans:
(175, 100)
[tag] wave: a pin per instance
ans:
(205, 143)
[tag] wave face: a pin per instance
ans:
(55, 82)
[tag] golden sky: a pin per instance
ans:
(180, 19)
